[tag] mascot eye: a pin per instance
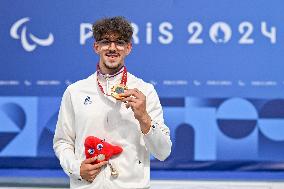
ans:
(91, 151)
(100, 146)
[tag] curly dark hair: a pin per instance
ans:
(118, 25)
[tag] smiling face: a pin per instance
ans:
(112, 51)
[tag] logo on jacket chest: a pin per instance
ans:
(88, 100)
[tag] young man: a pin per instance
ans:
(114, 106)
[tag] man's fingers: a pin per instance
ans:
(129, 99)
(130, 104)
(131, 92)
(94, 172)
(90, 160)
(99, 165)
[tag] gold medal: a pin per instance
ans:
(117, 90)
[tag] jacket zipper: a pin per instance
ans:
(107, 84)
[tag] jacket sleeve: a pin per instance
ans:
(157, 140)
(64, 138)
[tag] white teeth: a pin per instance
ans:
(112, 55)
(101, 157)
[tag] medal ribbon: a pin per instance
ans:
(122, 82)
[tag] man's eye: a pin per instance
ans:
(120, 42)
(105, 42)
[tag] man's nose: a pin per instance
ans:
(112, 45)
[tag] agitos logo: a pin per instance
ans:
(31, 43)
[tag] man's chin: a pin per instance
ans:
(112, 65)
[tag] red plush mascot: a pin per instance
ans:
(95, 147)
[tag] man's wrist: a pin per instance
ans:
(145, 123)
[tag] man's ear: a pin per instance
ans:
(96, 47)
(128, 48)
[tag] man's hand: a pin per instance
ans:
(137, 101)
(89, 171)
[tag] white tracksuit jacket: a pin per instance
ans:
(86, 111)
